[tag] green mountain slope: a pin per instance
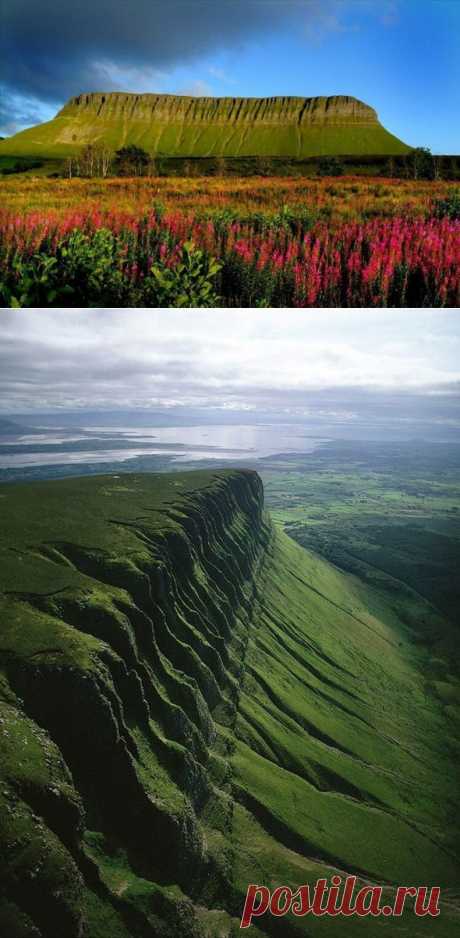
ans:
(192, 702)
(184, 126)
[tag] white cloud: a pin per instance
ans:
(143, 78)
(221, 75)
(220, 358)
(197, 89)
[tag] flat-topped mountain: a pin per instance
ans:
(180, 125)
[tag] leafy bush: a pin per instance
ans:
(83, 270)
(448, 207)
(330, 166)
(189, 283)
(32, 281)
(101, 269)
(21, 166)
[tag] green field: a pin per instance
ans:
(390, 514)
(168, 125)
(191, 701)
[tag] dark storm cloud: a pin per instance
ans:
(51, 50)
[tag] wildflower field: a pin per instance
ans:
(292, 242)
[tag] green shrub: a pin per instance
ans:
(189, 283)
(83, 270)
(100, 269)
(448, 207)
(32, 281)
(330, 166)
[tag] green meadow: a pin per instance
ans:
(389, 514)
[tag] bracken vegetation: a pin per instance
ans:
(229, 243)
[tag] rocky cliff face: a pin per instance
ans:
(123, 727)
(190, 702)
(254, 111)
(177, 125)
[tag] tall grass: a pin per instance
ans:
(332, 200)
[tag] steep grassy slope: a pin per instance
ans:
(185, 126)
(190, 702)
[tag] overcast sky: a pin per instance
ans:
(401, 56)
(254, 360)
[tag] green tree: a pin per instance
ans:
(422, 163)
(330, 166)
(131, 161)
(263, 166)
(219, 166)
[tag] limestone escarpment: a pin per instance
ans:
(255, 111)
(124, 665)
(184, 126)
(189, 699)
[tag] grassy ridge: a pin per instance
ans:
(205, 127)
(192, 702)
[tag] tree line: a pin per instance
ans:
(419, 163)
(98, 160)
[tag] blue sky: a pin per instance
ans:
(400, 56)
